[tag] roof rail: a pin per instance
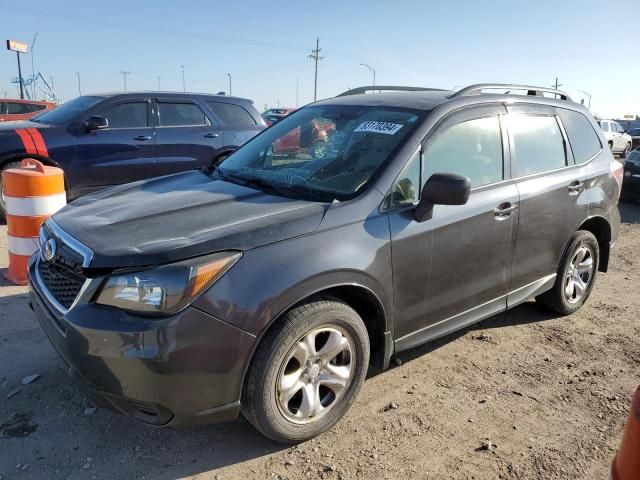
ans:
(359, 90)
(533, 91)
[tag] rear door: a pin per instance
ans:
(238, 125)
(553, 194)
(187, 138)
(121, 153)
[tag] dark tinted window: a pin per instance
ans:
(232, 114)
(180, 114)
(635, 132)
(68, 110)
(127, 115)
(3, 107)
(472, 149)
(17, 108)
(582, 137)
(539, 145)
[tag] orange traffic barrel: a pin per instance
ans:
(33, 192)
(626, 464)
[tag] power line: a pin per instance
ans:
(315, 56)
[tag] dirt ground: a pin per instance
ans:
(550, 394)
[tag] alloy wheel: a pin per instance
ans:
(579, 274)
(315, 374)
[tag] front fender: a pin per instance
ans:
(269, 280)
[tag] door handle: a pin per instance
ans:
(504, 210)
(142, 138)
(211, 135)
(575, 187)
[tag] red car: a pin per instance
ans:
(11, 109)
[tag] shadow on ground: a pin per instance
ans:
(630, 212)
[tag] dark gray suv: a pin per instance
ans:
(268, 285)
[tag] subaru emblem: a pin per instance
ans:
(49, 250)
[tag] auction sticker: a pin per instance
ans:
(379, 127)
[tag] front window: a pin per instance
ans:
(322, 152)
(68, 110)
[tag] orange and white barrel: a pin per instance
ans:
(33, 192)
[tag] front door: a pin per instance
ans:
(121, 153)
(455, 267)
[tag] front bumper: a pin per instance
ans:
(181, 370)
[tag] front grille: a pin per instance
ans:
(63, 284)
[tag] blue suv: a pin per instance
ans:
(109, 139)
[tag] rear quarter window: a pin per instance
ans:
(232, 114)
(583, 138)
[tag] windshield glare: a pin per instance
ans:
(67, 111)
(323, 152)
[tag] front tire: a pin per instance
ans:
(626, 150)
(307, 371)
(576, 275)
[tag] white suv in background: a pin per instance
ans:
(619, 140)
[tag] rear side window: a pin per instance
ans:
(582, 137)
(127, 115)
(232, 114)
(3, 107)
(17, 108)
(539, 145)
(180, 114)
(472, 149)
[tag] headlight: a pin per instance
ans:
(166, 289)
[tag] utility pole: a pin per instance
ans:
(20, 77)
(229, 75)
(372, 70)
(124, 76)
(184, 87)
(33, 70)
(79, 89)
(315, 56)
(557, 84)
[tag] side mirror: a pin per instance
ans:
(442, 189)
(96, 122)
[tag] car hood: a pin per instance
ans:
(171, 218)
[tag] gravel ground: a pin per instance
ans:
(521, 395)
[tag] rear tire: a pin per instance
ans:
(298, 386)
(576, 275)
(3, 209)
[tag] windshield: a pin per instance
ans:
(67, 111)
(322, 153)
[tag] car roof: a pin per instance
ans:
(156, 93)
(427, 100)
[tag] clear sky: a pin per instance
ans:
(589, 45)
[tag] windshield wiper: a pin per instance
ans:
(261, 184)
